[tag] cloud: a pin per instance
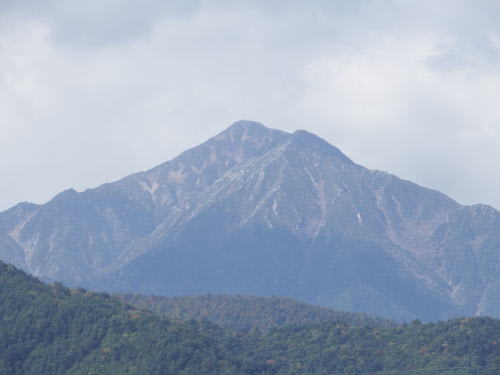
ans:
(92, 91)
(422, 105)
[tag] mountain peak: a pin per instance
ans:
(303, 138)
(245, 130)
(245, 124)
(242, 140)
(314, 224)
(68, 193)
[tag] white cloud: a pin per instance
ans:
(398, 112)
(92, 92)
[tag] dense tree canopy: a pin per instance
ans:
(50, 329)
(468, 346)
(248, 313)
(54, 330)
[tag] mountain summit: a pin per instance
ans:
(260, 211)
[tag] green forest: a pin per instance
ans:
(50, 329)
(248, 313)
(54, 330)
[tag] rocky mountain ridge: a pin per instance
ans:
(264, 212)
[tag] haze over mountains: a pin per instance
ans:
(260, 211)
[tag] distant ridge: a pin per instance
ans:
(249, 313)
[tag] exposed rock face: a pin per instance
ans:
(260, 211)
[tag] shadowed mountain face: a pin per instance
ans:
(264, 212)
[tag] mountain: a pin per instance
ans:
(50, 329)
(248, 313)
(264, 212)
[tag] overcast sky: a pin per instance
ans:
(91, 91)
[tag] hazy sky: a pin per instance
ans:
(91, 91)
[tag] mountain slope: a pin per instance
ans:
(263, 212)
(77, 234)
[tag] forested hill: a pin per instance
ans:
(54, 330)
(248, 313)
(468, 346)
